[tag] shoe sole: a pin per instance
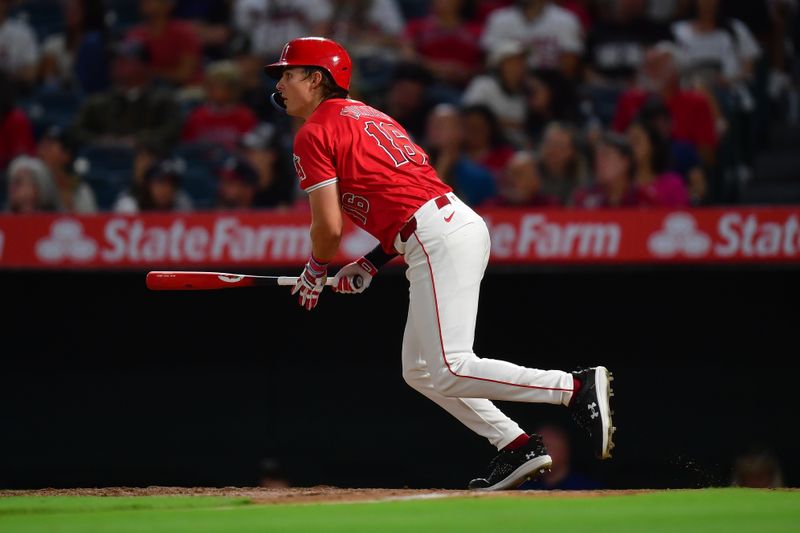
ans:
(602, 380)
(526, 471)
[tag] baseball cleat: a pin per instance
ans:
(591, 408)
(511, 468)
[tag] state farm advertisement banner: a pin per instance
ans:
(273, 239)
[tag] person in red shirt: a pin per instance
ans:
(446, 42)
(16, 132)
(354, 159)
(222, 119)
(174, 45)
(692, 114)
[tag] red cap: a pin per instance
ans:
(315, 52)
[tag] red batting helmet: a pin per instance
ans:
(315, 52)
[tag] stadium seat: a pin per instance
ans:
(51, 108)
(108, 186)
(200, 180)
(108, 173)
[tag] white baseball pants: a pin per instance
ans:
(446, 259)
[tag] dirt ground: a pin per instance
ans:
(320, 494)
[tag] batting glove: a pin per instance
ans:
(344, 280)
(310, 283)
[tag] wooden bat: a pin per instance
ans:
(176, 280)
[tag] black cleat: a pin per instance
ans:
(511, 468)
(591, 408)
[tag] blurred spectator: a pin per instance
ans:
(57, 151)
(561, 475)
(503, 89)
(371, 31)
(173, 45)
(78, 58)
(691, 111)
(445, 139)
(551, 96)
(238, 184)
(615, 186)
(581, 9)
(757, 469)
(30, 187)
(254, 93)
(160, 190)
(407, 99)
(683, 157)
(615, 47)
(365, 26)
(715, 50)
(258, 148)
(19, 50)
(522, 184)
(211, 20)
(553, 34)
(562, 166)
(270, 24)
(446, 42)
(272, 475)
(485, 144)
(145, 156)
(134, 111)
(484, 8)
(16, 132)
(651, 152)
(668, 10)
(221, 119)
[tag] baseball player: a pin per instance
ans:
(351, 158)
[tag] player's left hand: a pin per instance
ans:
(310, 283)
(345, 280)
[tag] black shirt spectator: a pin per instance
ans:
(615, 47)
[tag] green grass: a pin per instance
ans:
(717, 510)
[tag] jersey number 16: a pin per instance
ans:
(395, 143)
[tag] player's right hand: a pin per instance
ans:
(310, 283)
(344, 280)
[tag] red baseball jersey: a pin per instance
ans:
(383, 176)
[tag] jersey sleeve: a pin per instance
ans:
(313, 158)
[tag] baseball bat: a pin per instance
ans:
(177, 280)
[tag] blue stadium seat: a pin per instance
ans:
(108, 186)
(109, 172)
(201, 185)
(51, 108)
(604, 102)
(108, 158)
(200, 179)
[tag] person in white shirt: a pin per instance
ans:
(19, 51)
(553, 34)
(716, 50)
(503, 88)
(270, 24)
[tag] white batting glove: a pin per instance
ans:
(310, 283)
(344, 281)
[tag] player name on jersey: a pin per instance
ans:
(264, 239)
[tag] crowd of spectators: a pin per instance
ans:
(137, 105)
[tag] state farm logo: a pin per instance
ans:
(679, 235)
(66, 241)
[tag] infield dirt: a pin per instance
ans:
(319, 494)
